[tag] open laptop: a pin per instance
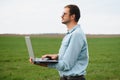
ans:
(31, 53)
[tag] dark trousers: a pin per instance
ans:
(73, 78)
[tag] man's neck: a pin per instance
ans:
(71, 25)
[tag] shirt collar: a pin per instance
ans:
(74, 28)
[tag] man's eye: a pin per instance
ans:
(64, 13)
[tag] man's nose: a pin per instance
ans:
(62, 15)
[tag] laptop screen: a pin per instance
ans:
(29, 47)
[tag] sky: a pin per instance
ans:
(44, 16)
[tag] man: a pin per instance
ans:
(73, 53)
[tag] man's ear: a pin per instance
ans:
(73, 16)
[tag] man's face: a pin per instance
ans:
(66, 16)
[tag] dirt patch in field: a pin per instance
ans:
(102, 35)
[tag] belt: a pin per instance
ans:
(73, 77)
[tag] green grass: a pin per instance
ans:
(14, 65)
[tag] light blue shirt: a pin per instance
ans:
(73, 54)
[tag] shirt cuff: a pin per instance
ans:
(52, 65)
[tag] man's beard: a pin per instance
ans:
(66, 22)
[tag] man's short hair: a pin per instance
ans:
(74, 10)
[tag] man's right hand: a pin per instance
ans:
(41, 64)
(31, 61)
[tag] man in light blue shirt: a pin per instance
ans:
(73, 53)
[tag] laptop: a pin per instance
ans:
(31, 53)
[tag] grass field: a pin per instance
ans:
(104, 61)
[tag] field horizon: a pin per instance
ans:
(63, 34)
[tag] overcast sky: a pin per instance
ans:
(44, 16)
